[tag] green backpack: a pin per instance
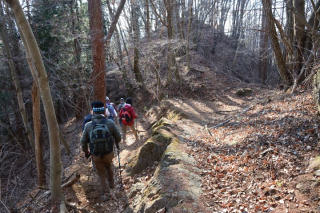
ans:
(101, 141)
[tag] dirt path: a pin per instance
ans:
(84, 196)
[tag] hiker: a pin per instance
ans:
(128, 115)
(101, 134)
(111, 109)
(88, 117)
(122, 103)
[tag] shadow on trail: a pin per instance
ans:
(87, 195)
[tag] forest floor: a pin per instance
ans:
(253, 151)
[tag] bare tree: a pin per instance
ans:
(37, 132)
(190, 3)
(14, 75)
(299, 32)
(136, 37)
(171, 60)
(41, 77)
(263, 66)
(281, 65)
(147, 17)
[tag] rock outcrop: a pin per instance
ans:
(176, 181)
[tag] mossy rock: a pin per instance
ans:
(167, 186)
(150, 152)
(172, 155)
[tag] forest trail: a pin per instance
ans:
(252, 146)
(84, 195)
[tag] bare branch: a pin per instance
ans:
(157, 14)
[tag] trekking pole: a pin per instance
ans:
(119, 167)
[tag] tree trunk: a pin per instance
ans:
(114, 22)
(171, 60)
(98, 49)
(289, 57)
(299, 32)
(190, 3)
(147, 15)
(263, 49)
(119, 49)
(37, 132)
(42, 80)
(284, 74)
(314, 23)
(136, 38)
(75, 31)
(16, 82)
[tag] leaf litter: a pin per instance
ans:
(254, 162)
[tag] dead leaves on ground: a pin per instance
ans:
(250, 164)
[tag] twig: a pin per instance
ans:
(206, 127)
(157, 14)
(230, 118)
(5, 206)
(48, 192)
(71, 181)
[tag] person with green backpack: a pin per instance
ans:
(101, 134)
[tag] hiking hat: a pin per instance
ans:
(97, 106)
(129, 101)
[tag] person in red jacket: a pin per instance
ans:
(127, 116)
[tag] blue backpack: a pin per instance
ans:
(111, 111)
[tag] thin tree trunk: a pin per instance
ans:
(98, 49)
(299, 32)
(183, 16)
(289, 57)
(190, 3)
(314, 22)
(119, 49)
(136, 37)
(147, 15)
(171, 60)
(284, 74)
(126, 49)
(16, 82)
(114, 22)
(76, 43)
(263, 49)
(42, 80)
(37, 133)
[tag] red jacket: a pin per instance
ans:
(129, 108)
